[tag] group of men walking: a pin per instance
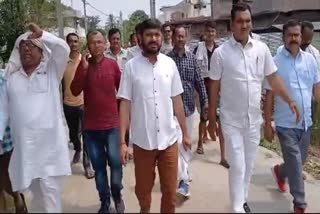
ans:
(149, 89)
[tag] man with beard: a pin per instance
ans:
(299, 71)
(150, 90)
(98, 77)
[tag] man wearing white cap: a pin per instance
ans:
(32, 107)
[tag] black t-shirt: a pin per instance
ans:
(209, 54)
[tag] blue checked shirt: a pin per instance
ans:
(190, 74)
(7, 144)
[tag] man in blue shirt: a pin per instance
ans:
(298, 70)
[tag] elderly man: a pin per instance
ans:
(32, 104)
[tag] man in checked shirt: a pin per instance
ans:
(189, 71)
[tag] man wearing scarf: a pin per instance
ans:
(31, 105)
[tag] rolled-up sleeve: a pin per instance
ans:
(125, 88)
(216, 66)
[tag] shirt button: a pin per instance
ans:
(157, 117)
(156, 104)
(158, 130)
(155, 91)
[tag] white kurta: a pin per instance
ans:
(32, 105)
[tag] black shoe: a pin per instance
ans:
(120, 207)
(76, 157)
(246, 208)
(104, 209)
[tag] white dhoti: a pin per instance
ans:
(185, 156)
(241, 149)
(46, 195)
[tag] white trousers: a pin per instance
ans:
(241, 149)
(183, 173)
(46, 195)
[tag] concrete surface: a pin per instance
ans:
(209, 188)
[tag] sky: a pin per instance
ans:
(115, 6)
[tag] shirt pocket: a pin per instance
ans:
(40, 82)
(256, 67)
(301, 79)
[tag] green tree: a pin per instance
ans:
(129, 25)
(13, 16)
(93, 22)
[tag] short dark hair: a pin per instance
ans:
(113, 31)
(306, 24)
(239, 7)
(210, 24)
(165, 25)
(149, 24)
(177, 27)
(71, 34)
(132, 35)
(137, 28)
(290, 23)
(95, 32)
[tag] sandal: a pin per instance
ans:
(200, 151)
(23, 207)
(225, 164)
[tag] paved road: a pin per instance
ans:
(209, 188)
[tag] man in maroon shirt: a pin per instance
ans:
(98, 77)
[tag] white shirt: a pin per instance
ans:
(150, 89)
(166, 47)
(33, 108)
(120, 58)
(310, 49)
(241, 71)
(133, 52)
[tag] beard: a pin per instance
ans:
(149, 50)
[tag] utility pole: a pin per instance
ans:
(85, 15)
(121, 27)
(60, 18)
(153, 9)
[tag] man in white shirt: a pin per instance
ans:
(116, 52)
(135, 50)
(150, 90)
(239, 83)
(32, 105)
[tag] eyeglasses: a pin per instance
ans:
(28, 45)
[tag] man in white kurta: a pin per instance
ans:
(32, 107)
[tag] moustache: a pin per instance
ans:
(153, 43)
(293, 42)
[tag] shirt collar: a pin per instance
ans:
(288, 54)
(110, 52)
(174, 53)
(235, 43)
